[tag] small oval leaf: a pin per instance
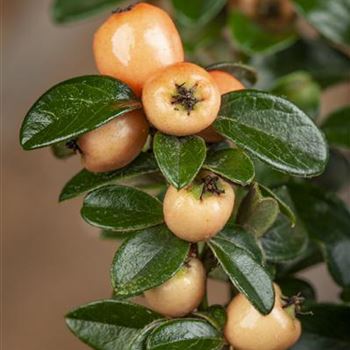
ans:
(180, 334)
(121, 208)
(109, 324)
(233, 164)
(244, 271)
(274, 130)
(86, 181)
(74, 107)
(179, 158)
(146, 260)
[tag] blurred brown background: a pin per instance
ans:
(52, 260)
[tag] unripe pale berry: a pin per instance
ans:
(226, 83)
(182, 99)
(247, 329)
(182, 293)
(115, 144)
(196, 216)
(134, 44)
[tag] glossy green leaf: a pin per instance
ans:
(326, 65)
(86, 181)
(274, 130)
(257, 213)
(267, 176)
(61, 151)
(70, 10)
(233, 164)
(330, 18)
(74, 107)
(243, 269)
(215, 315)
(252, 38)
(300, 88)
(182, 334)
(327, 329)
(121, 208)
(327, 220)
(197, 12)
(292, 286)
(110, 324)
(179, 158)
(281, 196)
(247, 75)
(146, 260)
(337, 128)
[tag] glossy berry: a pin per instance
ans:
(182, 99)
(200, 211)
(134, 44)
(247, 329)
(115, 144)
(182, 293)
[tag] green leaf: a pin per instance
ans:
(110, 324)
(253, 39)
(247, 75)
(197, 12)
(74, 107)
(327, 221)
(243, 269)
(337, 127)
(233, 164)
(284, 202)
(257, 213)
(327, 329)
(326, 65)
(292, 286)
(116, 235)
(330, 18)
(267, 176)
(182, 334)
(86, 181)
(274, 130)
(121, 208)
(179, 158)
(215, 315)
(146, 260)
(301, 89)
(61, 151)
(71, 10)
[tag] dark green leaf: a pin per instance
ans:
(139, 342)
(185, 334)
(245, 272)
(301, 89)
(110, 324)
(292, 286)
(274, 130)
(74, 107)
(268, 176)
(215, 315)
(115, 235)
(284, 203)
(345, 295)
(330, 18)
(86, 181)
(327, 221)
(69, 10)
(233, 164)
(146, 260)
(121, 208)
(245, 74)
(326, 65)
(327, 329)
(251, 38)
(257, 213)
(61, 151)
(197, 12)
(337, 128)
(179, 158)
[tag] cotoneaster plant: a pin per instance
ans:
(200, 176)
